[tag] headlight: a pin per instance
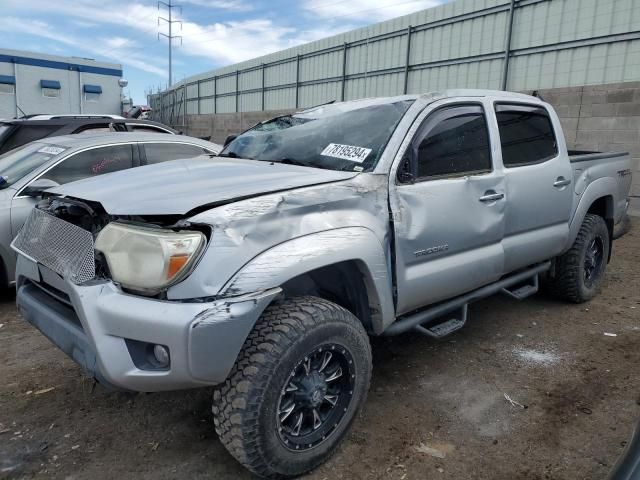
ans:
(147, 259)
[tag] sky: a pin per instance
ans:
(215, 33)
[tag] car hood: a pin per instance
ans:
(178, 187)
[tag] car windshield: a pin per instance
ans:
(335, 137)
(17, 163)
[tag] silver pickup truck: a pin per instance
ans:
(263, 273)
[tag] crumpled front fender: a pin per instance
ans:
(290, 259)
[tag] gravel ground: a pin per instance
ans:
(436, 409)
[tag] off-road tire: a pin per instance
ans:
(245, 407)
(568, 279)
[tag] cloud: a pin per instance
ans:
(126, 31)
(234, 41)
(230, 5)
(367, 10)
(114, 48)
(221, 43)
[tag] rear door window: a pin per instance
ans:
(526, 134)
(164, 152)
(91, 163)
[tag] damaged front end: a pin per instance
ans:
(80, 241)
(123, 339)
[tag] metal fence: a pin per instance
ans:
(500, 44)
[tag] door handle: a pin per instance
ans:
(561, 182)
(491, 197)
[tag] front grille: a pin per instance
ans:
(59, 245)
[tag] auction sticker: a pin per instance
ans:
(346, 152)
(51, 150)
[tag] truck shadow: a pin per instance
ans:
(7, 295)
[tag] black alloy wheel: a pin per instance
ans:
(316, 396)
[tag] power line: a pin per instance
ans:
(170, 37)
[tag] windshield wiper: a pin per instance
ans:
(291, 161)
(228, 155)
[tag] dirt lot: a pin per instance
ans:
(428, 400)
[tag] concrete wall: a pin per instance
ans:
(602, 118)
(597, 117)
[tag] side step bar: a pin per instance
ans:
(524, 290)
(410, 322)
(447, 326)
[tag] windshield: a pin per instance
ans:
(17, 163)
(329, 137)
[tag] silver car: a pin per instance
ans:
(33, 168)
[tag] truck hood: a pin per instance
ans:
(177, 187)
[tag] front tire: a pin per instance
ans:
(579, 272)
(300, 380)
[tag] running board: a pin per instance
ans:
(453, 322)
(524, 290)
(418, 319)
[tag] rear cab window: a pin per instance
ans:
(526, 132)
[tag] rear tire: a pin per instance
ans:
(299, 382)
(579, 272)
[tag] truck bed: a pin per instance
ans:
(576, 156)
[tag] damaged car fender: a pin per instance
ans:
(291, 259)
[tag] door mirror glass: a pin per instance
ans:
(37, 187)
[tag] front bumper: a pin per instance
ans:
(95, 324)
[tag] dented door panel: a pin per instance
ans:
(447, 231)
(447, 241)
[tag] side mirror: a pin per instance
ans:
(38, 187)
(405, 171)
(229, 139)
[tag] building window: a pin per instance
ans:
(50, 92)
(50, 88)
(7, 84)
(92, 93)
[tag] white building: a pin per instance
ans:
(32, 83)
